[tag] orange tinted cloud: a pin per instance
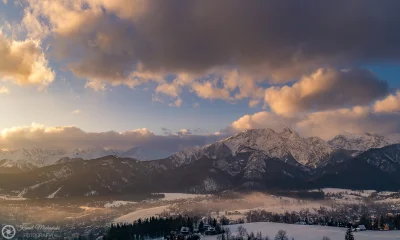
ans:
(69, 137)
(23, 62)
(390, 104)
(326, 89)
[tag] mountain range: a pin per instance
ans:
(21, 160)
(256, 159)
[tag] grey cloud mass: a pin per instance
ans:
(277, 39)
(327, 89)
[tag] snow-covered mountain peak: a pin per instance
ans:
(363, 141)
(290, 133)
(283, 145)
(280, 145)
(37, 157)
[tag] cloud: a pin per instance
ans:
(166, 131)
(254, 103)
(208, 91)
(390, 104)
(77, 111)
(4, 90)
(324, 124)
(260, 120)
(23, 62)
(69, 137)
(169, 89)
(184, 132)
(96, 85)
(123, 43)
(326, 89)
(327, 124)
(177, 103)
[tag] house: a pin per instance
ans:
(361, 228)
(301, 223)
(211, 231)
(185, 230)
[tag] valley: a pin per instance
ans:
(85, 215)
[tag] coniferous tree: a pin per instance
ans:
(382, 222)
(259, 236)
(228, 233)
(251, 236)
(201, 227)
(349, 235)
(281, 235)
(242, 231)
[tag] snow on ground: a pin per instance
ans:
(177, 196)
(363, 193)
(54, 193)
(10, 198)
(142, 213)
(115, 204)
(386, 193)
(278, 208)
(305, 232)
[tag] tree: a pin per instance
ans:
(201, 227)
(349, 235)
(214, 222)
(259, 236)
(242, 231)
(382, 222)
(281, 235)
(221, 237)
(325, 238)
(224, 220)
(228, 233)
(251, 236)
(376, 224)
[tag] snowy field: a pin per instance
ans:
(4, 197)
(304, 232)
(142, 213)
(116, 204)
(178, 196)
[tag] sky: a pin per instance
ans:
(176, 74)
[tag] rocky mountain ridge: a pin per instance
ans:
(258, 159)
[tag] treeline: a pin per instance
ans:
(295, 217)
(156, 227)
(242, 234)
(382, 222)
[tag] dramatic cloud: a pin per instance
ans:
(133, 42)
(23, 62)
(69, 137)
(324, 124)
(327, 124)
(326, 89)
(390, 104)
